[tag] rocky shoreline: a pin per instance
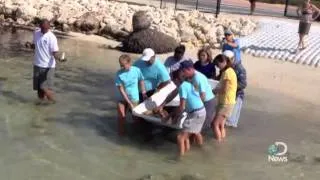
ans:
(113, 20)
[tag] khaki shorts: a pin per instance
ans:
(127, 105)
(225, 109)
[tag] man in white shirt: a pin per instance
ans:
(46, 48)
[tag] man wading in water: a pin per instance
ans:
(46, 50)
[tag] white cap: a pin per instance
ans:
(147, 54)
(229, 54)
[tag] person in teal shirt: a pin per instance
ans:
(127, 81)
(201, 84)
(156, 77)
(154, 72)
(190, 101)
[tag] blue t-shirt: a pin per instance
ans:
(236, 51)
(208, 70)
(154, 74)
(192, 97)
(201, 84)
(130, 81)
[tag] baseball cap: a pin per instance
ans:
(186, 64)
(147, 54)
(228, 32)
(229, 54)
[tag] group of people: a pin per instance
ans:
(137, 81)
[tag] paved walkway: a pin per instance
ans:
(277, 39)
(228, 6)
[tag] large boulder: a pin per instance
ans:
(136, 42)
(140, 21)
(87, 22)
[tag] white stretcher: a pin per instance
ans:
(157, 99)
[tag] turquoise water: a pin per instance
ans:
(76, 138)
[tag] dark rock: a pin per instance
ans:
(36, 21)
(136, 42)
(140, 21)
(16, 14)
(113, 31)
(87, 22)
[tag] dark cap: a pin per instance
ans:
(228, 32)
(186, 64)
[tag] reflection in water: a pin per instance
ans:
(76, 138)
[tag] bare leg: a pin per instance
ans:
(218, 121)
(121, 118)
(41, 95)
(49, 94)
(181, 143)
(187, 142)
(304, 40)
(300, 44)
(199, 139)
(222, 128)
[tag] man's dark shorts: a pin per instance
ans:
(43, 78)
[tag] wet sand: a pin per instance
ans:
(76, 138)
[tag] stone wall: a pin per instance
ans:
(110, 18)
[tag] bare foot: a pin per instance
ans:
(223, 133)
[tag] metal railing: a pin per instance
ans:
(215, 9)
(214, 5)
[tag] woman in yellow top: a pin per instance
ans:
(226, 95)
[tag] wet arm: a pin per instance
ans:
(142, 87)
(170, 97)
(317, 10)
(180, 110)
(203, 96)
(163, 84)
(55, 55)
(124, 95)
(298, 11)
(222, 87)
(234, 44)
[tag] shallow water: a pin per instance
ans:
(76, 138)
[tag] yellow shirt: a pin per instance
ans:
(229, 78)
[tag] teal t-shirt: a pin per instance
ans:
(192, 97)
(201, 84)
(154, 74)
(130, 81)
